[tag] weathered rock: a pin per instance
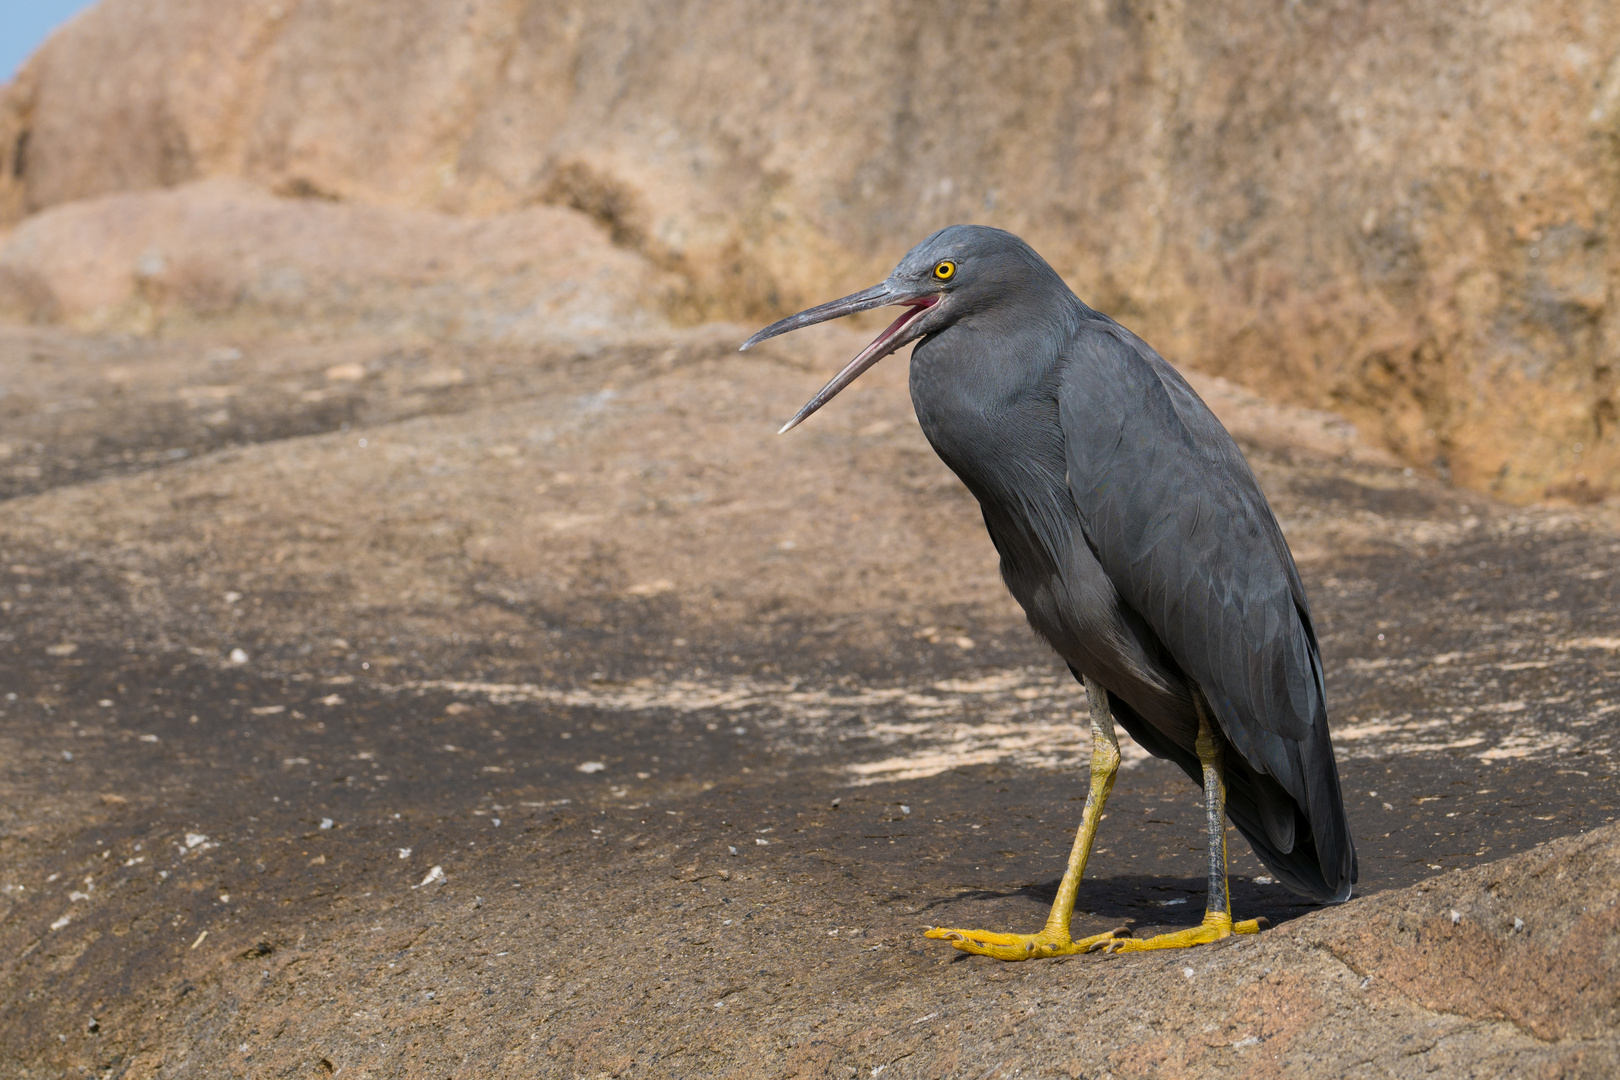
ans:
(226, 255)
(476, 688)
(1534, 940)
(602, 480)
(285, 625)
(1401, 212)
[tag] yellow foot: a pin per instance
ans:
(1214, 927)
(1021, 946)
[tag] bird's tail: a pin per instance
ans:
(1321, 861)
(1310, 853)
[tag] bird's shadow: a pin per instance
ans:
(1145, 900)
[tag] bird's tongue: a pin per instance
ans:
(913, 309)
(868, 356)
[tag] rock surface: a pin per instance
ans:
(1398, 211)
(403, 709)
(419, 656)
(220, 253)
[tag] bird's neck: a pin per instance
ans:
(992, 360)
(984, 398)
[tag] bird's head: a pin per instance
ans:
(952, 275)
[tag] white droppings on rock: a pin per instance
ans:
(761, 841)
(149, 738)
(590, 766)
(326, 823)
(1456, 917)
(238, 656)
(1189, 972)
(435, 874)
(404, 852)
(195, 838)
(63, 921)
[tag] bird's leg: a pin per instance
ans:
(1053, 939)
(1217, 922)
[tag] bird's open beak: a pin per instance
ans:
(900, 332)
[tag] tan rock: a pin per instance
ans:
(1400, 212)
(1500, 942)
(223, 251)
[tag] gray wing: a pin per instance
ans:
(1183, 531)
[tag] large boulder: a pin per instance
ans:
(1399, 210)
(221, 251)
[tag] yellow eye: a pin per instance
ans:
(945, 270)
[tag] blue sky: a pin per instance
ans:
(26, 23)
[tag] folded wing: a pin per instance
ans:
(1178, 521)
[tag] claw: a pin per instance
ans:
(1107, 944)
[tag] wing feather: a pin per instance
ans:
(1182, 529)
(1185, 534)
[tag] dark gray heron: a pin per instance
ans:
(1135, 537)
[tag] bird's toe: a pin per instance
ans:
(1215, 926)
(1021, 946)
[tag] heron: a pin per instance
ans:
(1135, 537)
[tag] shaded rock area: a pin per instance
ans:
(1398, 210)
(376, 706)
